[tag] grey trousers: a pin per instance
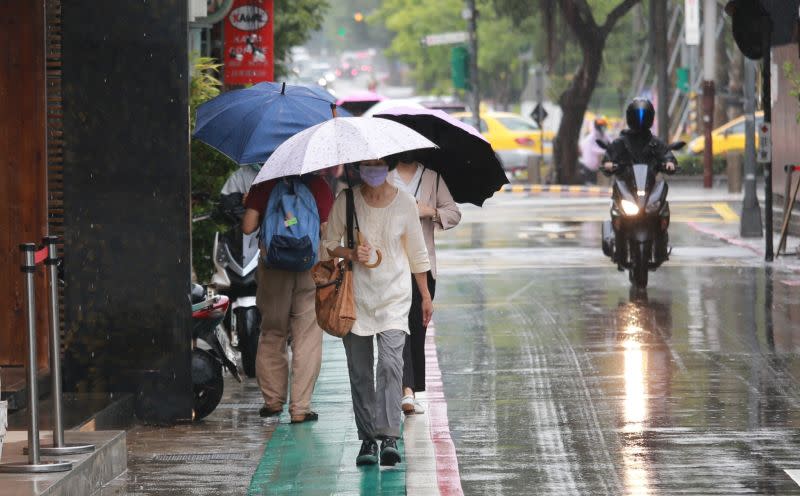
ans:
(377, 409)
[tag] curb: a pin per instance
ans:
(556, 188)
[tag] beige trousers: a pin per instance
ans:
(286, 303)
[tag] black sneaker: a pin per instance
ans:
(390, 455)
(368, 455)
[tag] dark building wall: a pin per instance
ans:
(126, 202)
(23, 179)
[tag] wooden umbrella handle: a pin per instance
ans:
(377, 252)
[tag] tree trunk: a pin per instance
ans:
(574, 102)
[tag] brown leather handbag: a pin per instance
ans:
(335, 302)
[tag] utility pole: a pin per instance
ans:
(471, 14)
(658, 40)
(709, 72)
(751, 212)
(766, 144)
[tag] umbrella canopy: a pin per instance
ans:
(340, 141)
(466, 161)
(361, 96)
(248, 125)
(359, 102)
(384, 105)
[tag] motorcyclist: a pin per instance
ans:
(637, 144)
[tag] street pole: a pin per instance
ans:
(709, 72)
(472, 20)
(751, 212)
(766, 102)
(658, 34)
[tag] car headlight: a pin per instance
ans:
(629, 207)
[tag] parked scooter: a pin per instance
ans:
(636, 237)
(211, 351)
(235, 257)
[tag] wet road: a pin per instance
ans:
(560, 381)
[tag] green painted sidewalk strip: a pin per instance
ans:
(319, 458)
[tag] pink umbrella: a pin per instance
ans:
(361, 96)
(359, 102)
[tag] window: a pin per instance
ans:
(518, 124)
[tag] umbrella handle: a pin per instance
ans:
(377, 252)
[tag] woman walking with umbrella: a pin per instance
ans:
(389, 220)
(437, 210)
(382, 289)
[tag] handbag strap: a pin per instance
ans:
(351, 217)
(419, 183)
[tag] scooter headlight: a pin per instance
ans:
(629, 207)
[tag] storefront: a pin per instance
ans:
(95, 148)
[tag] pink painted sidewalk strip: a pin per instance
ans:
(728, 239)
(447, 474)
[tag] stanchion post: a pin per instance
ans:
(34, 464)
(59, 447)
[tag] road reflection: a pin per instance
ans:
(641, 329)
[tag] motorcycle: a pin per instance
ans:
(235, 256)
(211, 351)
(636, 238)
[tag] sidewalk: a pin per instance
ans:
(234, 451)
(319, 457)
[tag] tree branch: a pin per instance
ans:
(578, 15)
(616, 14)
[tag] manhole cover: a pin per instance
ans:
(200, 457)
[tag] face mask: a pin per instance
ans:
(374, 175)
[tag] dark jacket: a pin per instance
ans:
(642, 148)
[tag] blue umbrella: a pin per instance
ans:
(248, 125)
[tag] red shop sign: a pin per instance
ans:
(249, 56)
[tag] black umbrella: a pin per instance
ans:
(466, 161)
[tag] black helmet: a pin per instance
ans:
(640, 114)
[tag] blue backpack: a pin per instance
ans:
(290, 227)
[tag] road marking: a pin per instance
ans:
(794, 474)
(726, 212)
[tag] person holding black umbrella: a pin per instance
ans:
(437, 210)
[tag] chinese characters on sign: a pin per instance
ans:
(249, 42)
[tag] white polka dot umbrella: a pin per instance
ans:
(340, 141)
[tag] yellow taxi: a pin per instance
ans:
(729, 137)
(508, 131)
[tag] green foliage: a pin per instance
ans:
(692, 165)
(210, 168)
(501, 43)
(793, 76)
(204, 85)
(343, 32)
(295, 20)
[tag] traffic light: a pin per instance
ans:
(358, 17)
(459, 67)
(748, 26)
(342, 32)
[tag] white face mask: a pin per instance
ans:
(374, 175)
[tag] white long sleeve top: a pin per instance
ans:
(382, 294)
